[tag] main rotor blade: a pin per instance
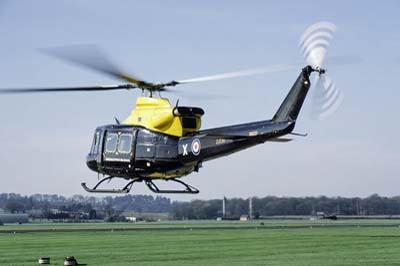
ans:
(91, 57)
(333, 60)
(241, 73)
(74, 89)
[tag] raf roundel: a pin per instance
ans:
(196, 147)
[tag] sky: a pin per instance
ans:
(44, 138)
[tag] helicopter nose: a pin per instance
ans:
(91, 162)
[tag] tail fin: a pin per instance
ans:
(290, 107)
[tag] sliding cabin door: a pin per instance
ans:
(119, 150)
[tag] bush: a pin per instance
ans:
(115, 218)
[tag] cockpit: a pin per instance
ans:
(126, 150)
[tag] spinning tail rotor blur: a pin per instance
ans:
(314, 43)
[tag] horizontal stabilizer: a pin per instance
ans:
(280, 140)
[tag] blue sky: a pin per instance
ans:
(44, 138)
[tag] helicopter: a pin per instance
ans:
(159, 141)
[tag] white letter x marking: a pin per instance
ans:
(184, 146)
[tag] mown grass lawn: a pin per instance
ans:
(309, 246)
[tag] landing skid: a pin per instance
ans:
(95, 189)
(188, 188)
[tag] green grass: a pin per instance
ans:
(198, 246)
(194, 224)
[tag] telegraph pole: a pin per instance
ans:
(223, 207)
(250, 207)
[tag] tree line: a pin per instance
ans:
(81, 207)
(284, 206)
(46, 206)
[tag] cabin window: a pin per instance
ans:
(111, 142)
(125, 143)
(164, 139)
(145, 137)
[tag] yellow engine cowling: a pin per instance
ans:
(157, 114)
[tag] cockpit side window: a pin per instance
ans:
(111, 142)
(95, 144)
(125, 143)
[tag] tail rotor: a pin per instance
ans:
(314, 43)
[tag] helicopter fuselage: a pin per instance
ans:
(165, 142)
(137, 152)
(141, 153)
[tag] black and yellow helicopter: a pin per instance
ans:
(160, 141)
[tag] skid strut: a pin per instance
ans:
(125, 189)
(188, 188)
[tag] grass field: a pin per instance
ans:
(206, 243)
